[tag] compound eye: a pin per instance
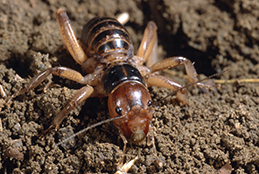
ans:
(118, 110)
(149, 103)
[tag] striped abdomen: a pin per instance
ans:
(104, 36)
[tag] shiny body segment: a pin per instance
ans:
(118, 74)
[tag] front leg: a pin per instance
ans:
(176, 61)
(80, 96)
(58, 71)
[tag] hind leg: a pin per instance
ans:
(148, 48)
(69, 37)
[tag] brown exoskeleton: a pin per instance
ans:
(106, 54)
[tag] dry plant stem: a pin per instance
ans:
(237, 81)
(123, 18)
(1, 125)
(125, 168)
(2, 93)
(173, 73)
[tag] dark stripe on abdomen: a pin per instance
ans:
(104, 35)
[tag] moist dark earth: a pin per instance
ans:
(216, 129)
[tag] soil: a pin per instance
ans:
(214, 130)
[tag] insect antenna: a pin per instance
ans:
(174, 92)
(87, 128)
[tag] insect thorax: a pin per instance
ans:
(118, 74)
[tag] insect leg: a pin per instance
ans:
(159, 162)
(152, 58)
(166, 82)
(80, 96)
(148, 47)
(69, 37)
(176, 61)
(58, 71)
(125, 141)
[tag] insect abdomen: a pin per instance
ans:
(104, 36)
